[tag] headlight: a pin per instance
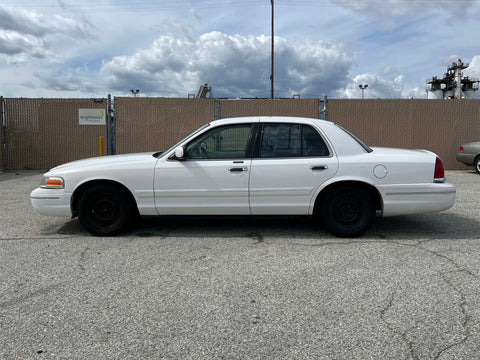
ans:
(52, 182)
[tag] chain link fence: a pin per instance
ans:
(440, 126)
(42, 133)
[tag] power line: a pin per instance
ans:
(130, 6)
(93, 6)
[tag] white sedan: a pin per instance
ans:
(251, 166)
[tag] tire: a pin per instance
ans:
(476, 164)
(104, 210)
(347, 211)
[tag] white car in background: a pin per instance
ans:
(251, 166)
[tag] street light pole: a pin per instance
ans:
(363, 87)
(272, 69)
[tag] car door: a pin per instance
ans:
(211, 178)
(290, 163)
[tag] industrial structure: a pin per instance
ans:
(453, 85)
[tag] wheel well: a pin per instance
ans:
(377, 199)
(82, 188)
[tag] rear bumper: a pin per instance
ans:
(417, 198)
(51, 202)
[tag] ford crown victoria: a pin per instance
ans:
(251, 166)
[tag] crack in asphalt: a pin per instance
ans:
(23, 298)
(405, 336)
(463, 305)
(448, 259)
(466, 317)
(402, 335)
(463, 300)
(82, 259)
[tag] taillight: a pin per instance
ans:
(439, 171)
(461, 148)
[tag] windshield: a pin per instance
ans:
(158, 154)
(362, 144)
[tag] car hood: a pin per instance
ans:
(104, 160)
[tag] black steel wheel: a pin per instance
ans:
(347, 211)
(104, 210)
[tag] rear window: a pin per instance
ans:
(362, 144)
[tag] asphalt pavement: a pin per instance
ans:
(239, 288)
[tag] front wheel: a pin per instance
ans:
(104, 210)
(477, 165)
(347, 211)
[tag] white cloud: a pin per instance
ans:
(39, 25)
(378, 87)
(233, 65)
(473, 71)
(171, 49)
(24, 34)
(17, 47)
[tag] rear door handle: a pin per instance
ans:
(238, 169)
(319, 167)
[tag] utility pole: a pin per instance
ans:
(272, 69)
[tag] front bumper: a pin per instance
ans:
(51, 202)
(417, 198)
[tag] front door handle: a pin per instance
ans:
(319, 167)
(238, 169)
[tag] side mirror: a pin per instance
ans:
(179, 153)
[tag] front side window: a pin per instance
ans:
(291, 140)
(225, 142)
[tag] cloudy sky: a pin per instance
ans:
(90, 48)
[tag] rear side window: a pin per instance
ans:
(312, 143)
(281, 140)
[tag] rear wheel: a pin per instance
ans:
(476, 163)
(347, 211)
(104, 210)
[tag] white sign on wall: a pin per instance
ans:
(91, 117)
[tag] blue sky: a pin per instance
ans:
(89, 48)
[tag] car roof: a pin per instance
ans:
(251, 119)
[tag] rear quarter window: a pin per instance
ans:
(360, 142)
